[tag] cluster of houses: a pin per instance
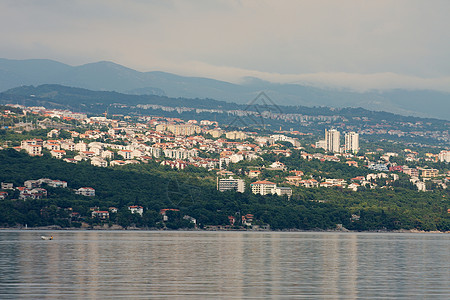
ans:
(178, 144)
(104, 214)
(32, 189)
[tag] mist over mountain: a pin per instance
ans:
(108, 76)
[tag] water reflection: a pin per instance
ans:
(102, 264)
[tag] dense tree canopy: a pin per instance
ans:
(194, 194)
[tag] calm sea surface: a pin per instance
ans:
(224, 265)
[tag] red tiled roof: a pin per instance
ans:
(263, 182)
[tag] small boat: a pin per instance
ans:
(46, 237)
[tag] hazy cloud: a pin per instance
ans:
(355, 44)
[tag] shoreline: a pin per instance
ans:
(118, 228)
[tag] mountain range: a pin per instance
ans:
(109, 76)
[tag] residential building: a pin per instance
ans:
(254, 173)
(7, 186)
(126, 154)
(281, 191)
(164, 211)
(31, 184)
(236, 135)
(59, 154)
(31, 148)
(429, 173)
(351, 142)
(444, 156)
(85, 191)
(411, 171)
(101, 214)
(333, 139)
(247, 219)
(263, 187)
(99, 162)
(231, 184)
(135, 209)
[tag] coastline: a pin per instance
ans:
(120, 228)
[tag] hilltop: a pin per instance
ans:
(108, 76)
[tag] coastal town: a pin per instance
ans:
(238, 160)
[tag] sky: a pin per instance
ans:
(360, 45)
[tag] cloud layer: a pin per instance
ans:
(354, 44)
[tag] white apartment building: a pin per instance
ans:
(231, 184)
(444, 156)
(180, 153)
(333, 139)
(351, 142)
(262, 187)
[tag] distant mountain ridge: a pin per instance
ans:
(108, 76)
(95, 102)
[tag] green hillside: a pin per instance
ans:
(193, 192)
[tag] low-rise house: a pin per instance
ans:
(336, 182)
(100, 214)
(247, 219)
(117, 163)
(164, 211)
(107, 154)
(353, 186)
(277, 166)
(52, 146)
(297, 173)
(54, 183)
(99, 162)
(352, 163)
(179, 164)
(309, 183)
(87, 154)
(85, 191)
(126, 154)
(31, 184)
(136, 209)
(32, 150)
(295, 180)
(281, 191)
(7, 186)
(396, 168)
(395, 177)
(69, 146)
(232, 220)
(3, 195)
(378, 167)
(411, 171)
(254, 173)
(428, 173)
(358, 178)
(70, 160)
(35, 193)
(190, 219)
(224, 173)
(81, 146)
(59, 154)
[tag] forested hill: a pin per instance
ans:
(83, 100)
(109, 76)
(193, 192)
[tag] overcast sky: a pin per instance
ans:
(353, 44)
